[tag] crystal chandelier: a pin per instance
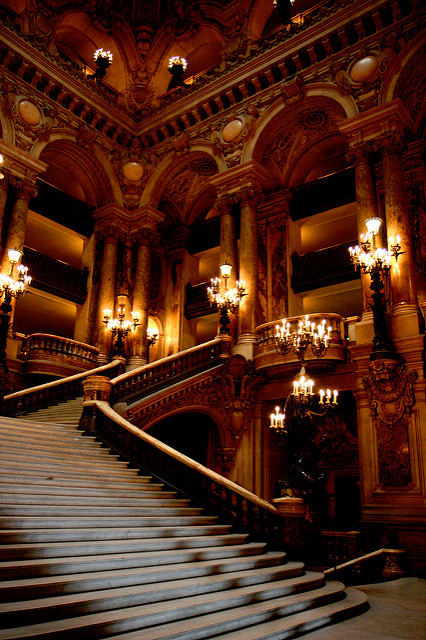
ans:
(227, 300)
(178, 61)
(103, 59)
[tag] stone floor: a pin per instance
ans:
(397, 612)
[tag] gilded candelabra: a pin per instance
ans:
(119, 328)
(227, 300)
(376, 261)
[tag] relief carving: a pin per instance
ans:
(391, 398)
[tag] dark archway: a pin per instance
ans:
(192, 433)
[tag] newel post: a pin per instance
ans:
(95, 388)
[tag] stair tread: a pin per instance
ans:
(154, 573)
(171, 619)
(181, 589)
(117, 545)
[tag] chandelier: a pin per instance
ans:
(106, 55)
(178, 61)
(376, 261)
(103, 59)
(227, 300)
(120, 327)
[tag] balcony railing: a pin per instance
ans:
(44, 353)
(323, 268)
(55, 276)
(197, 303)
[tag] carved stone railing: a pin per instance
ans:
(234, 504)
(323, 268)
(44, 353)
(50, 393)
(134, 385)
(266, 354)
(55, 276)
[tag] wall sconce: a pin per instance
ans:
(151, 339)
(10, 287)
(103, 59)
(376, 261)
(120, 327)
(1, 162)
(227, 300)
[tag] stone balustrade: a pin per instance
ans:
(44, 353)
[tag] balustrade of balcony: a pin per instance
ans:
(267, 356)
(322, 268)
(55, 276)
(47, 354)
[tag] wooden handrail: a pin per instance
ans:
(220, 495)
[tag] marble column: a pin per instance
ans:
(366, 200)
(248, 266)
(404, 304)
(228, 249)
(141, 295)
(107, 282)
(17, 225)
(4, 187)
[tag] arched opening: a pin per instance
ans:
(191, 433)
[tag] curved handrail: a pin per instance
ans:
(234, 503)
(134, 384)
(52, 392)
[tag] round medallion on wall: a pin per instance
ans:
(133, 171)
(43, 23)
(29, 113)
(232, 130)
(363, 70)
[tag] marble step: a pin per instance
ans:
(50, 489)
(194, 617)
(22, 536)
(68, 479)
(77, 512)
(146, 499)
(292, 626)
(40, 459)
(76, 446)
(57, 566)
(30, 422)
(118, 468)
(35, 433)
(233, 567)
(74, 549)
(255, 586)
(160, 520)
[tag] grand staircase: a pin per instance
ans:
(92, 549)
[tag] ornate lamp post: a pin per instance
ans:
(103, 60)
(10, 287)
(177, 67)
(119, 328)
(227, 300)
(376, 261)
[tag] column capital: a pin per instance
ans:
(360, 153)
(146, 236)
(232, 181)
(371, 125)
(391, 144)
(110, 230)
(26, 189)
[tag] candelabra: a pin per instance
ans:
(1, 162)
(119, 327)
(227, 300)
(103, 60)
(307, 333)
(10, 287)
(376, 261)
(301, 399)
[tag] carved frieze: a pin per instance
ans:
(390, 386)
